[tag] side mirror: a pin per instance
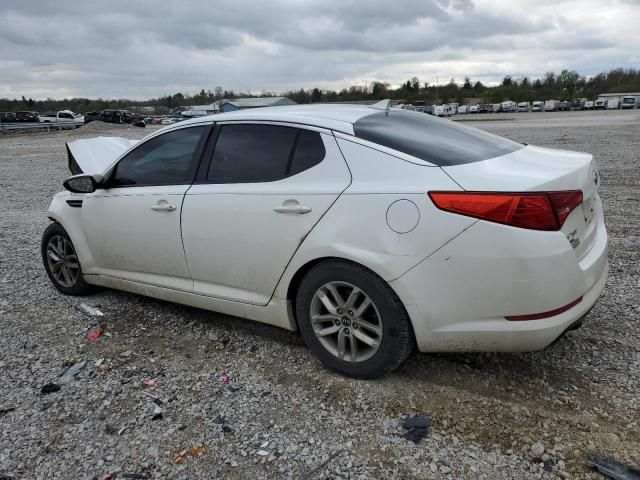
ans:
(81, 184)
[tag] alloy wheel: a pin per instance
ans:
(346, 321)
(62, 261)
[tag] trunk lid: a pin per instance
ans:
(536, 169)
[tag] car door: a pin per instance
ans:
(264, 189)
(133, 225)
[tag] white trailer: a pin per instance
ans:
(551, 105)
(508, 106)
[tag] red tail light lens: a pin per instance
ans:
(564, 203)
(533, 210)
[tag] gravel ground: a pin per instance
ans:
(282, 415)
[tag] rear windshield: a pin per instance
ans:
(432, 139)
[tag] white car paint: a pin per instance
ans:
(227, 217)
(224, 248)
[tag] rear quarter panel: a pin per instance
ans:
(356, 228)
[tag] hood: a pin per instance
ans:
(96, 155)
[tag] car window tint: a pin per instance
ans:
(251, 154)
(434, 140)
(309, 151)
(163, 160)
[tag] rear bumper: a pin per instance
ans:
(457, 299)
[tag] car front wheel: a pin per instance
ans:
(61, 261)
(352, 320)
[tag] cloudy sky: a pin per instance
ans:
(144, 48)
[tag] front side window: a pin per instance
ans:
(263, 153)
(441, 142)
(164, 160)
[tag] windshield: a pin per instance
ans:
(441, 142)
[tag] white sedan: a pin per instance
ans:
(370, 230)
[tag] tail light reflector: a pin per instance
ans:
(550, 313)
(533, 210)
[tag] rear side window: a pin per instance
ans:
(263, 153)
(309, 151)
(167, 159)
(443, 143)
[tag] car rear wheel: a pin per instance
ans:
(61, 261)
(352, 320)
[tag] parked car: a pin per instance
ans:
(551, 105)
(564, 106)
(474, 108)
(7, 117)
(537, 106)
(429, 109)
(485, 108)
(91, 117)
(122, 116)
(578, 103)
(523, 107)
(251, 213)
(509, 106)
(27, 117)
(463, 109)
(588, 105)
(63, 119)
(496, 108)
(629, 101)
(454, 108)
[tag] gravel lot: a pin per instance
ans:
(282, 415)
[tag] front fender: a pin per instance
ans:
(71, 220)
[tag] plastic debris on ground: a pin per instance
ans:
(193, 452)
(225, 379)
(95, 334)
(417, 428)
(49, 388)
(71, 372)
(157, 413)
(612, 468)
(88, 310)
(150, 383)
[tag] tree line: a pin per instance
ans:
(559, 86)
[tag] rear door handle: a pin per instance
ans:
(163, 206)
(292, 206)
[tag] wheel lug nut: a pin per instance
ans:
(338, 323)
(346, 330)
(339, 311)
(355, 326)
(350, 313)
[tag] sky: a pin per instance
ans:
(140, 49)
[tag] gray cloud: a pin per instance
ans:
(145, 48)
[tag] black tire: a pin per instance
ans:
(79, 286)
(397, 336)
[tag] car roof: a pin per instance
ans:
(340, 117)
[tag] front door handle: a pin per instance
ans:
(292, 206)
(163, 206)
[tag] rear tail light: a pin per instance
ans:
(533, 210)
